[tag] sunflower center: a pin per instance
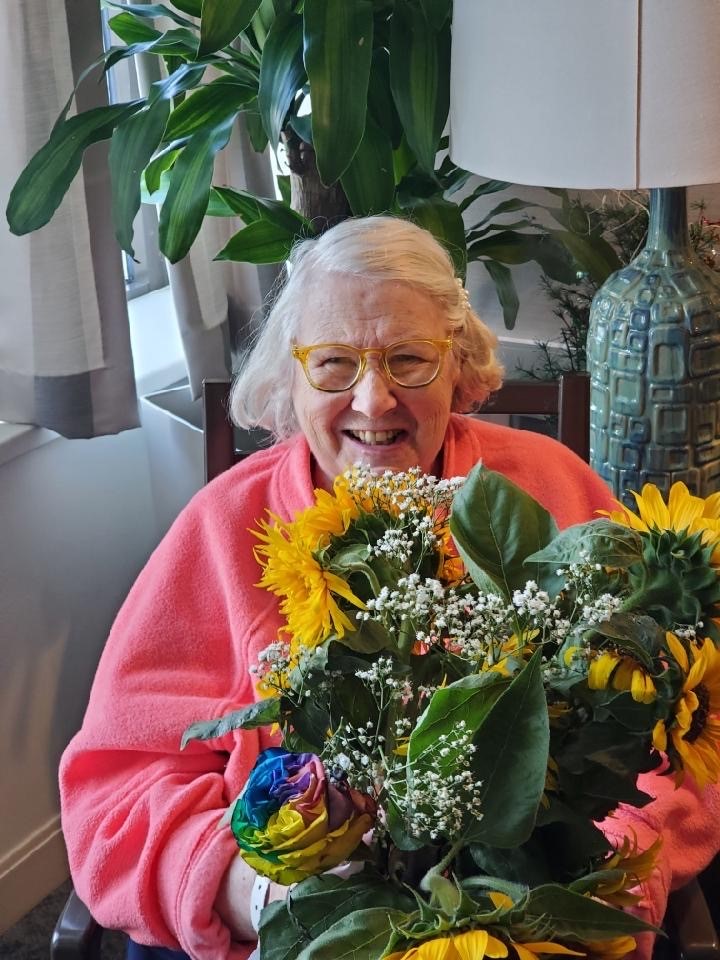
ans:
(700, 714)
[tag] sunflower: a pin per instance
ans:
(291, 571)
(683, 513)
(621, 672)
(330, 515)
(468, 945)
(636, 867)
(692, 736)
(612, 949)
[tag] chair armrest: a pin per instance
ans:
(76, 935)
(689, 924)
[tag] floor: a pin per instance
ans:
(29, 938)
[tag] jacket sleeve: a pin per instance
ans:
(688, 822)
(140, 817)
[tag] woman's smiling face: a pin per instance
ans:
(377, 422)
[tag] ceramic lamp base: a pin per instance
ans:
(654, 361)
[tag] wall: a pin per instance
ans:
(77, 525)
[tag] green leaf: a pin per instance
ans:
(572, 914)
(222, 21)
(338, 42)
(182, 213)
(282, 73)
(132, 29)
(369, 183)
(380, 103)
(436, 11)
(496, 525)
(209, 106)
(420, 79)
(43, 183)
(506, 292)
(151, 11)
(482, 190)
(444, 220)
(159, 165)
(361, 935)
(132, 145)
(605, 542)
(251, 208)
(317, 904)
(260, 714)
(593, 254)
(259, 242)
(192, 7)
(511, 760)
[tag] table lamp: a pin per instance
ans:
(620, 94)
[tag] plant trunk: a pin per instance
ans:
(322, 206)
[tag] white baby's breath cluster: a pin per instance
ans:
(439, 805)
(409, 491)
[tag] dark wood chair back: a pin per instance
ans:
(568, 398)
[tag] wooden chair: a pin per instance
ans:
(691, 934)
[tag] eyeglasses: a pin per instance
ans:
(334, 367)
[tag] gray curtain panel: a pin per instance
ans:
(65, 360)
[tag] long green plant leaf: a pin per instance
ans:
(369, 183)
(209, 106)
(45, 180)
(259, 242)
(282, 73)
(380, 103)
(443, 219)
(260, 714)
(191, 7)
(482, 190)
(593, 254)
(505, 289)
(222, 21)
(338, 41)
(420, 79)
(238, 203)
(152, 11)
(496, 525)
(360, 935)
(133, 29)
(511, 760)
(571, 914)
(436, 11)
(182, 213)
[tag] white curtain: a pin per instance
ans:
(65, 360)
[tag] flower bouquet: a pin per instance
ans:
(463, 693)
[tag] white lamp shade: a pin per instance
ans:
(587, 93)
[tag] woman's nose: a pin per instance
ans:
(372, 394)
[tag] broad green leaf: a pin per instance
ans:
(361, 935)
(605, 542)
(506, 292)
(208, 106)
(510, 247)
(573, 914)
(222, 21)
(260, 714)
(338, 42)
(182, 213)
(444, 220)
(150, 11)
(180, 42)
(420, 79)
(436, 11)
(593, 254)
(259, 242)
(158, 166)
(511, 760)
(496, 525)
(482, 190)
(317, 904)
(250, 208)
(43, 183)
(380, 103)
(191, 7)
(506, 206)
(133, 144)
(281, 74)
(265, 16)
(368, 182)
(132, 29)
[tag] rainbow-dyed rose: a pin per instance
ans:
(291, 821)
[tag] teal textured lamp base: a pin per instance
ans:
(654, 360)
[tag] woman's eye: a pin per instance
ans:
(337, 362)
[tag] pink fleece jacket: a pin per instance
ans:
(139, 817)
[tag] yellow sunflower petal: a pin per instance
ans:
(651, 507)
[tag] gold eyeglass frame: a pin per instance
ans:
(302, 353)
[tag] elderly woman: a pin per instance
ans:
(370, 353)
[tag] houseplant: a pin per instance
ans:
(355, 92)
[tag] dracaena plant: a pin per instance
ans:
(355, 91)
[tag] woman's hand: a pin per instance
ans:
(234, 895)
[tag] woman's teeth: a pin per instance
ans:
(375, 437)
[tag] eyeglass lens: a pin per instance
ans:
(411, 363)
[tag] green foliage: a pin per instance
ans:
(365, 84)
